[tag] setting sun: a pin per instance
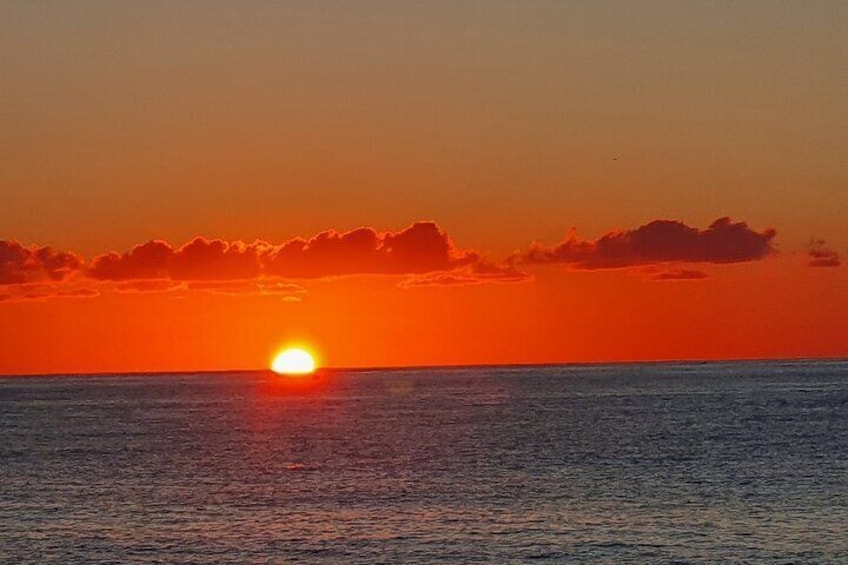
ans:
(293, 361)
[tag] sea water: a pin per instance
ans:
(628, 463)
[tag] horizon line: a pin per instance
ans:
(366, 369)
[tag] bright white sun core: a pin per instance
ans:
(293, 361)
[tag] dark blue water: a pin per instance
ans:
(651, 463)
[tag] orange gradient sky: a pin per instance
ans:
(495, 125)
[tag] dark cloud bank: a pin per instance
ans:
(422, 252)
(422, 248)
(658, 242)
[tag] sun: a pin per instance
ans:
(293, 361)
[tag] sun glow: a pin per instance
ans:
(293, 361)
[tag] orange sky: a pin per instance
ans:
(505, 123)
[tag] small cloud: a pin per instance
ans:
(156, 285)
(44, 291)
(505, 272)
(820, 255)
(78, 293)
(243, 287)
(280, 288)
(439, 280)
(480, 272)
(680, 275)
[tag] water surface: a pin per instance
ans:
(660, 463)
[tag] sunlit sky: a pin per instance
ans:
(499, 123)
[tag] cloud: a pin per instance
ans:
(148, 260)
(660, 241)
(680, 275)
(241, 287)
(422, 252)
(421, 248)
(20, 265)
(477, 273)
(44, 291)
(439, 280)
(199, 259)
(203, 259)
(820, 255)
(78, 293)
(154, 285)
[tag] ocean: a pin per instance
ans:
(732, 462)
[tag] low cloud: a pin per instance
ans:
(478, 273)
(146, 261)
(44, 291)
(820, 255)
(422, 253)
(199, 259)
(233, 267)
(156, 285)
(421, 248)
(439, 280)
(658, 242)
(21, 265)
(242, 287)
(78, 293)
(203, 259)
(680, 275)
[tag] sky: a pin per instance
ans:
(189, 186)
